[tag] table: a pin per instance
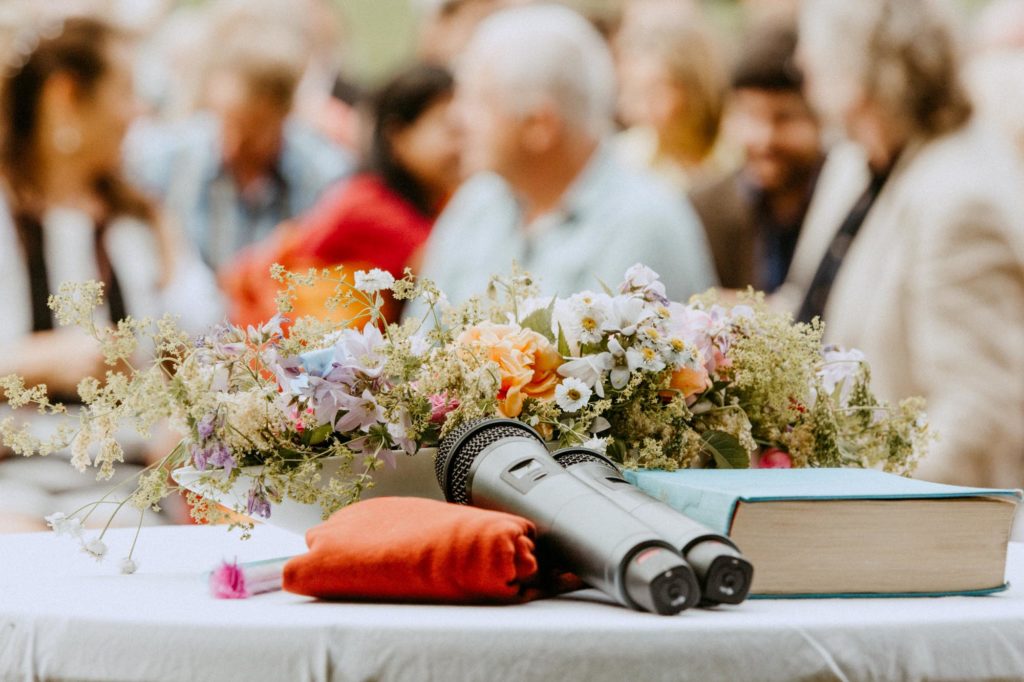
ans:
(63, 616)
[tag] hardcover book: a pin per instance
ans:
(848, 532)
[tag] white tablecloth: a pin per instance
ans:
(63, 616)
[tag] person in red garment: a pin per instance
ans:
(378, 219)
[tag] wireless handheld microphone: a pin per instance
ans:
(502, 464)
(724, 575)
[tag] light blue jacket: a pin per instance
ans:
(612, 218)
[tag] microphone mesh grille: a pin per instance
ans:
(455, 456)
(568, 459)
(573, 456)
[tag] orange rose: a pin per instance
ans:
(526, 361)
(690, 382)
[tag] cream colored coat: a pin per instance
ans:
(932, 290)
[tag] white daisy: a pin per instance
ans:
(589, 369)
(373, 281)
(681, 354)
(644, 357)
(599, 445)
(588, 325)
(572, 394)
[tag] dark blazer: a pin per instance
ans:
(726, 212)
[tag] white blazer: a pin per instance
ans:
(932, 290)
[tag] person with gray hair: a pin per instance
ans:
(536, 94)
(915, 252)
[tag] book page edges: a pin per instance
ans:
(887, 595)
(889, 547)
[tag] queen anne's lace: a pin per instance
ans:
(649, 382)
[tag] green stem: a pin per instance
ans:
(103, 500)
(138, 529)
(90, 504)
(111, 518)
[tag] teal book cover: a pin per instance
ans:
(711, 496)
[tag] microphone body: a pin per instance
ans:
(503, 465)
(722, 571)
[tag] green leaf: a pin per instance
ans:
(319, 434)
(540, 321)
(726, 450)
(563, 345)
(605, 287)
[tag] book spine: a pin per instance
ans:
(713, 508)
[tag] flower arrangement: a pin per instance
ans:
(660, 384)
(650, 382)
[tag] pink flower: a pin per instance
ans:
(718, 360)
(228, 582)
(440, 406)
(774, 458)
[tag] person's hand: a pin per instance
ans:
(60, 359)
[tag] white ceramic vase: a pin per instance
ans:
(412, 477)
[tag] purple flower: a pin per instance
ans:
(388, 456)
(327, 398)
(288, 371)
(340, 374)
(258, 504)
(198, 456)
(206, 426)
(361, 413)
(268, 330)
(361, 350)
(214, 454)
(375, 445)
(218, 455)
(399, 433)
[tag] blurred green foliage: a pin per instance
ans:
(381, 34)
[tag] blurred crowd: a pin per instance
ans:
(857, 161)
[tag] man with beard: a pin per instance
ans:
(753, 216)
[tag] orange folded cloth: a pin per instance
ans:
(419, 550)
